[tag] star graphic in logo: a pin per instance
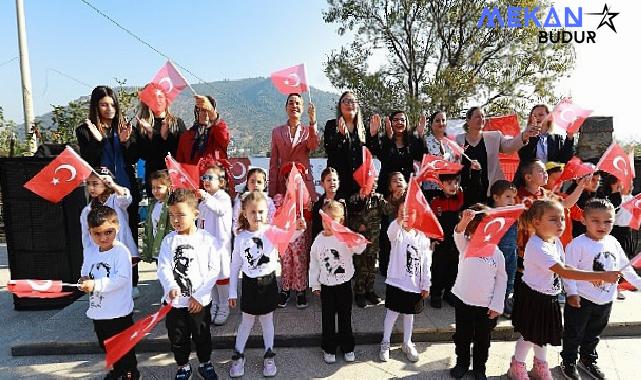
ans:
(607, 17)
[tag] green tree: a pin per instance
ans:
(437, 58)
(65, 120)
(9, 143)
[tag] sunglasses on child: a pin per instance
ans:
(208, 177)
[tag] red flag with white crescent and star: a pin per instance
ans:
(617, 162)
(366, 173)
(486, 237)
(168, 80)
(425, 220)
(60, 177)
(634, 207)
(569, 116)
(291, 79)
(36, 288)
(351, 239)
(182, 176)
(118, 345)
(436, 165)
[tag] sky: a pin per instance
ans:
(220, 40)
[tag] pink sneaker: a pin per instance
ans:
(517, 370)
(540, 370)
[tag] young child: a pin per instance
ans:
(106, 276)
(397, 188)
(188, 266)
(408, 281)
(480, 289)
(446, 206)
(366, 212)
(330, 271)
(104, 191)
(554, 171)
(537, 314)
(256, 181)
(157, 225)
(215, 217)
(588, 305)
(503, 194)
(590, 189)
(257, 259)
(330, 184)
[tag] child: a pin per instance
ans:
(257, 258)
(588, 305)
(480, 288)
(446, 206)
(397, 187)
(157, 225)
(366, 212)
(330, 271)
(215, 217)
(330, 183)
(105, 192)
(503, 194)
(590, 190)
(537, 314)
(188, 266)
(106, 276)
(256, 181)
(554, 171)
(614, 192)
(408, 281)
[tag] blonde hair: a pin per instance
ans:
(538, 209)
(358, 118)
(245, 199)
(332, 205)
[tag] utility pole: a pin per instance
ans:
(25, 74)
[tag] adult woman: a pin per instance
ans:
(397, 149)
(483, 147)
(293, 142)
(344, 140)
(157, 134)
(208, 137)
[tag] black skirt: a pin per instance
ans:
(537, 316)
(624, 237)
(403, 302)
(260, 295)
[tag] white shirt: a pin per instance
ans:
(120, 204)
(331, 262)
(111, 272)
(155, 216)
(592, 255)
(189, 263)
(539, 257)
(254, 255)
(215, 217)
(410, 259)
(623, 216)
(481, 281)
(271, 210)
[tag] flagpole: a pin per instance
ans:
(183, 78)
(309, 87)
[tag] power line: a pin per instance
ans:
(8, 62)
(44, 91)
(103, 14)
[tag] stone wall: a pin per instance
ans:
(594, 138)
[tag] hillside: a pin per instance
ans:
(251, 107)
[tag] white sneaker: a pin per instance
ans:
(269, 364)
(237, 368)
(329, 358)
(349, 357)
(135, 293)
(221, 317)
(410, 352)
(384, 354)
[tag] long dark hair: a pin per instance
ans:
(94, 112)
(407, 133)
(358, 118)
(468, 116)
(430, 119)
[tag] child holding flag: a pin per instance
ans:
(157, 225)
(106, 276)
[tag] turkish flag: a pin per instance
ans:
(239, 169)
(118, 345)
(296, 189)
(454, 147)
(425, 220)
(508, 125)
(437, 165)
(182, 176)
(634, 207)
(283, 226)
(636, 261)
(365, 174)
(168, 80)
(624, 285)
(344, 234)
(60, 177)
(569, 116)
(491, 229)
(36, 288)
(575, 169)
(617, 162)
(291, 80)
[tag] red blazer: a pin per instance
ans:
(283, 152)
(217, 141)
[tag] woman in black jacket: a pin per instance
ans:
(344, 140)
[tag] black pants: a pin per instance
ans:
(183, 327)
(337, 300)
(384, 247)
(105, 329)
(444, 269)
(582, 327)
(134, 275)
(472, 325)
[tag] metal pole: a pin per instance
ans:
(25, 73)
